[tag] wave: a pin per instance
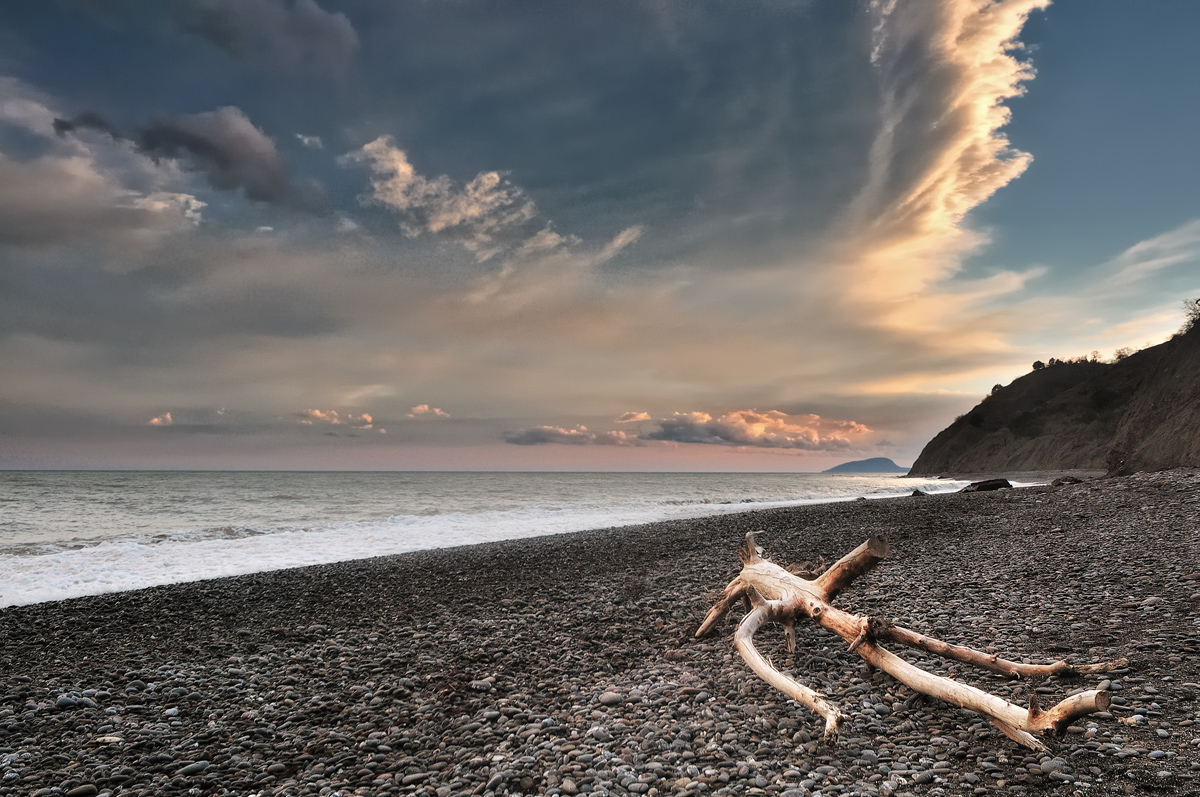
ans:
(38, 572)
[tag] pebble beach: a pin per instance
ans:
(566, 665)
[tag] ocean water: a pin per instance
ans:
(67, 534)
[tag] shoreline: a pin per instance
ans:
(39, 572)
(517, 666)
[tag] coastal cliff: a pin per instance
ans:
(1141, 413)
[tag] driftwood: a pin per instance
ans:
(773, 594)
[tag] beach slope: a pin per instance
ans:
(566, 664)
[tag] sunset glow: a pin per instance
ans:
(661, 237)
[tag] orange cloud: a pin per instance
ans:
(426, 411)
(631, 417)
(770, 429)
(309, 417)
(751, 428)
(162, 420)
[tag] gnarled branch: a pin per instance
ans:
(777, 595)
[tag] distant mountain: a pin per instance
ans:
(1141, 413)
(873, 465)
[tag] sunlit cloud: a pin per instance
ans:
(426, 411)
(749, 428)
(939, 153)
(161, 420)
(333, 417)
(631, 417)
(770, 429)
(481, 209)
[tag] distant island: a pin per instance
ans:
(1139, 412)
(873, 465)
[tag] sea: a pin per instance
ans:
(65, 534)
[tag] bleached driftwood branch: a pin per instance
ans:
(773, 594)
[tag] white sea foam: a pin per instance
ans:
(33, 573)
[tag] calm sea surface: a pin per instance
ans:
(66, 534)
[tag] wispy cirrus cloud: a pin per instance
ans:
(1145, 258)
(945, 71)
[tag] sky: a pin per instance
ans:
(764, 235)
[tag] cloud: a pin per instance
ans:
(232, 153)
(558, 435)
(101, 191)
(945, 70)
(1143, 259)
(333, 417)
(425, 411)
(749, 428)
(477, 212)
(298, 36)
(312, 142)
(624, 239)
(771, 429)
(543, 242)
(225, 146)
(787, 322)
(161, 420)
(59, 199)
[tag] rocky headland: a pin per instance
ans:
(567, 665)
(1139, 413)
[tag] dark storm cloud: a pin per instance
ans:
(225, 146)
(299, 35)
(87, 120)
(232, 153)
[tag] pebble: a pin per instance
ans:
(429, 673)
(194, 769)
(611, 699)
